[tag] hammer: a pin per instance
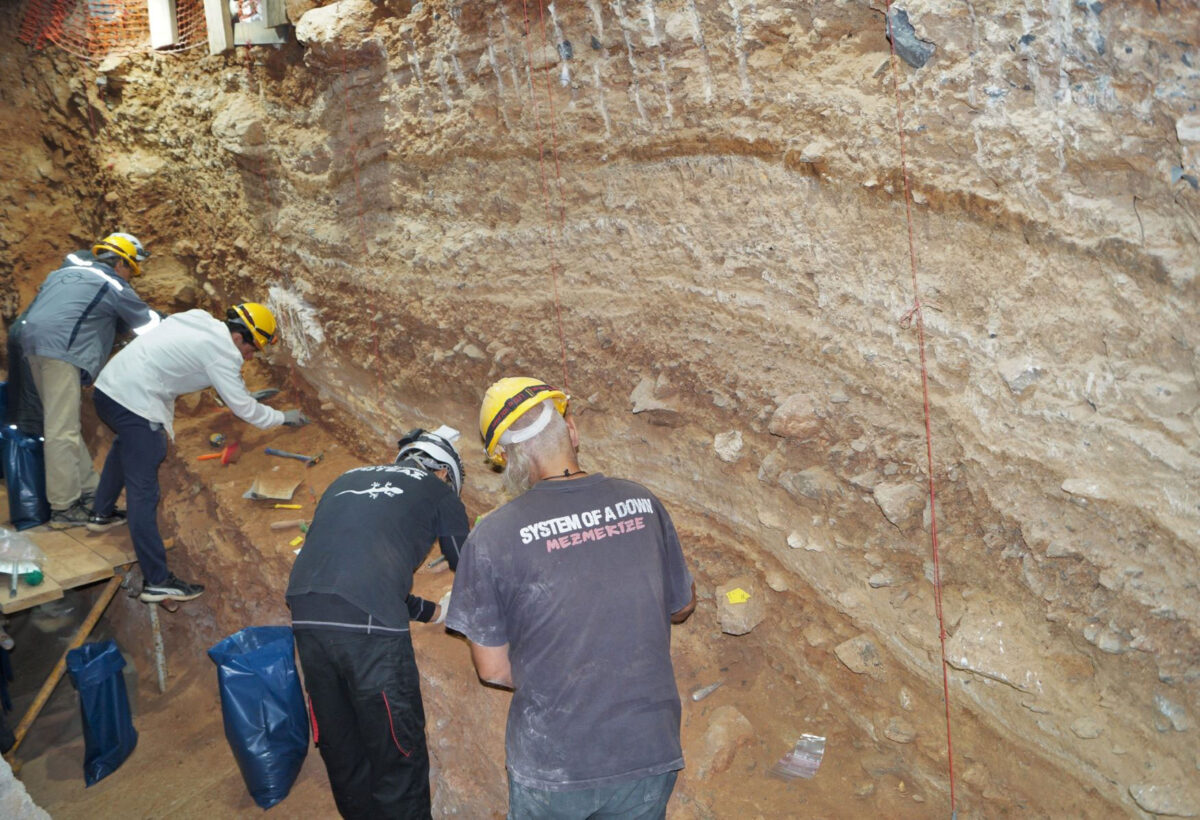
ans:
(229, 453)
(309, 460)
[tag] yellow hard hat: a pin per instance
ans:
(257, 319)
(505, 402)
(126, 246)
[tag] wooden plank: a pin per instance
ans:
(164, 27)
(113, 546)
(219, 24)
(69, 562)
(27, 596)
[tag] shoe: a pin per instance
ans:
(74, 516)
(6, 641)
(172, 589)
(103, 523)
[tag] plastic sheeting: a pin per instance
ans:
(263, 706)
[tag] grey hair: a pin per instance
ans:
(522, 460)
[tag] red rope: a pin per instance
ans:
(537, 118)
(916, 313)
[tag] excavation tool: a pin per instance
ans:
(288, 506)
(309, 460)
(229, 453)
(287, 525)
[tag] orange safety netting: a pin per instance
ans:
(95, 29)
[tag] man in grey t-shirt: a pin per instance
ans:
(567, 594)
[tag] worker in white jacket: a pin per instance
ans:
(135, 396)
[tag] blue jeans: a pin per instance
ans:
(642, 799)
(132, 464)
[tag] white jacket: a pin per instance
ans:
(187, 352)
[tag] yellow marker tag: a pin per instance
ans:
(297, 541)
(737, 596)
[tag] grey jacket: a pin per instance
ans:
(77, 311)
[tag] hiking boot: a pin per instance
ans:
(103, 523)
(74, 516)
(172, 589)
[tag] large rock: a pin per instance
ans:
(798, 416)
(741, 605)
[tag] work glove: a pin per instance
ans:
(442, 604)
(294, 418)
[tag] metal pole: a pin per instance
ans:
(160, 660)
(56, 674)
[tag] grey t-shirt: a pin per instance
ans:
(580, 578)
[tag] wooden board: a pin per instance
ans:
(69, 562)
(113, 546)
(27, 596)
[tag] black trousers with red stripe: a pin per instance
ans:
(368, 721)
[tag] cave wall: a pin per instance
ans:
(707, 199)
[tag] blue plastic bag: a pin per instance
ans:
(108, 733)
(263, 706)
(25, 474)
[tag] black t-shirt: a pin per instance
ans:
(370, 532)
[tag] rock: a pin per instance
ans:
(1187, 129)
(899, 731)
(1018, 374)
(880, 579)
(1173, 712)
(900, 503)
(473, 352)
(861, 656)
(728, 446)
(333, 39)
(993, 640)
(904, 697)
(644, 400)
(796, 540)
(909, 47)
(815, 483)
(864, 790)
(15, 802)
(796, 417)
(740, 612)
(1173, 800)
(1086, 728)
(728, 730)
(238, 127)
(777, 581)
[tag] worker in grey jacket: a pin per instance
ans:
(65, 337)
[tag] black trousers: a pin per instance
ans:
(368, 721)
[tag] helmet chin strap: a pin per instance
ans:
(511, 437)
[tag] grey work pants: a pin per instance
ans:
(69, 470)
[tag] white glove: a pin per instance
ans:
(294, 418)
(442, 605)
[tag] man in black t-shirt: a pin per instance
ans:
(351, 602)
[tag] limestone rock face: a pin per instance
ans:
(693, 215)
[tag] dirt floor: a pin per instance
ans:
(779, 681)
